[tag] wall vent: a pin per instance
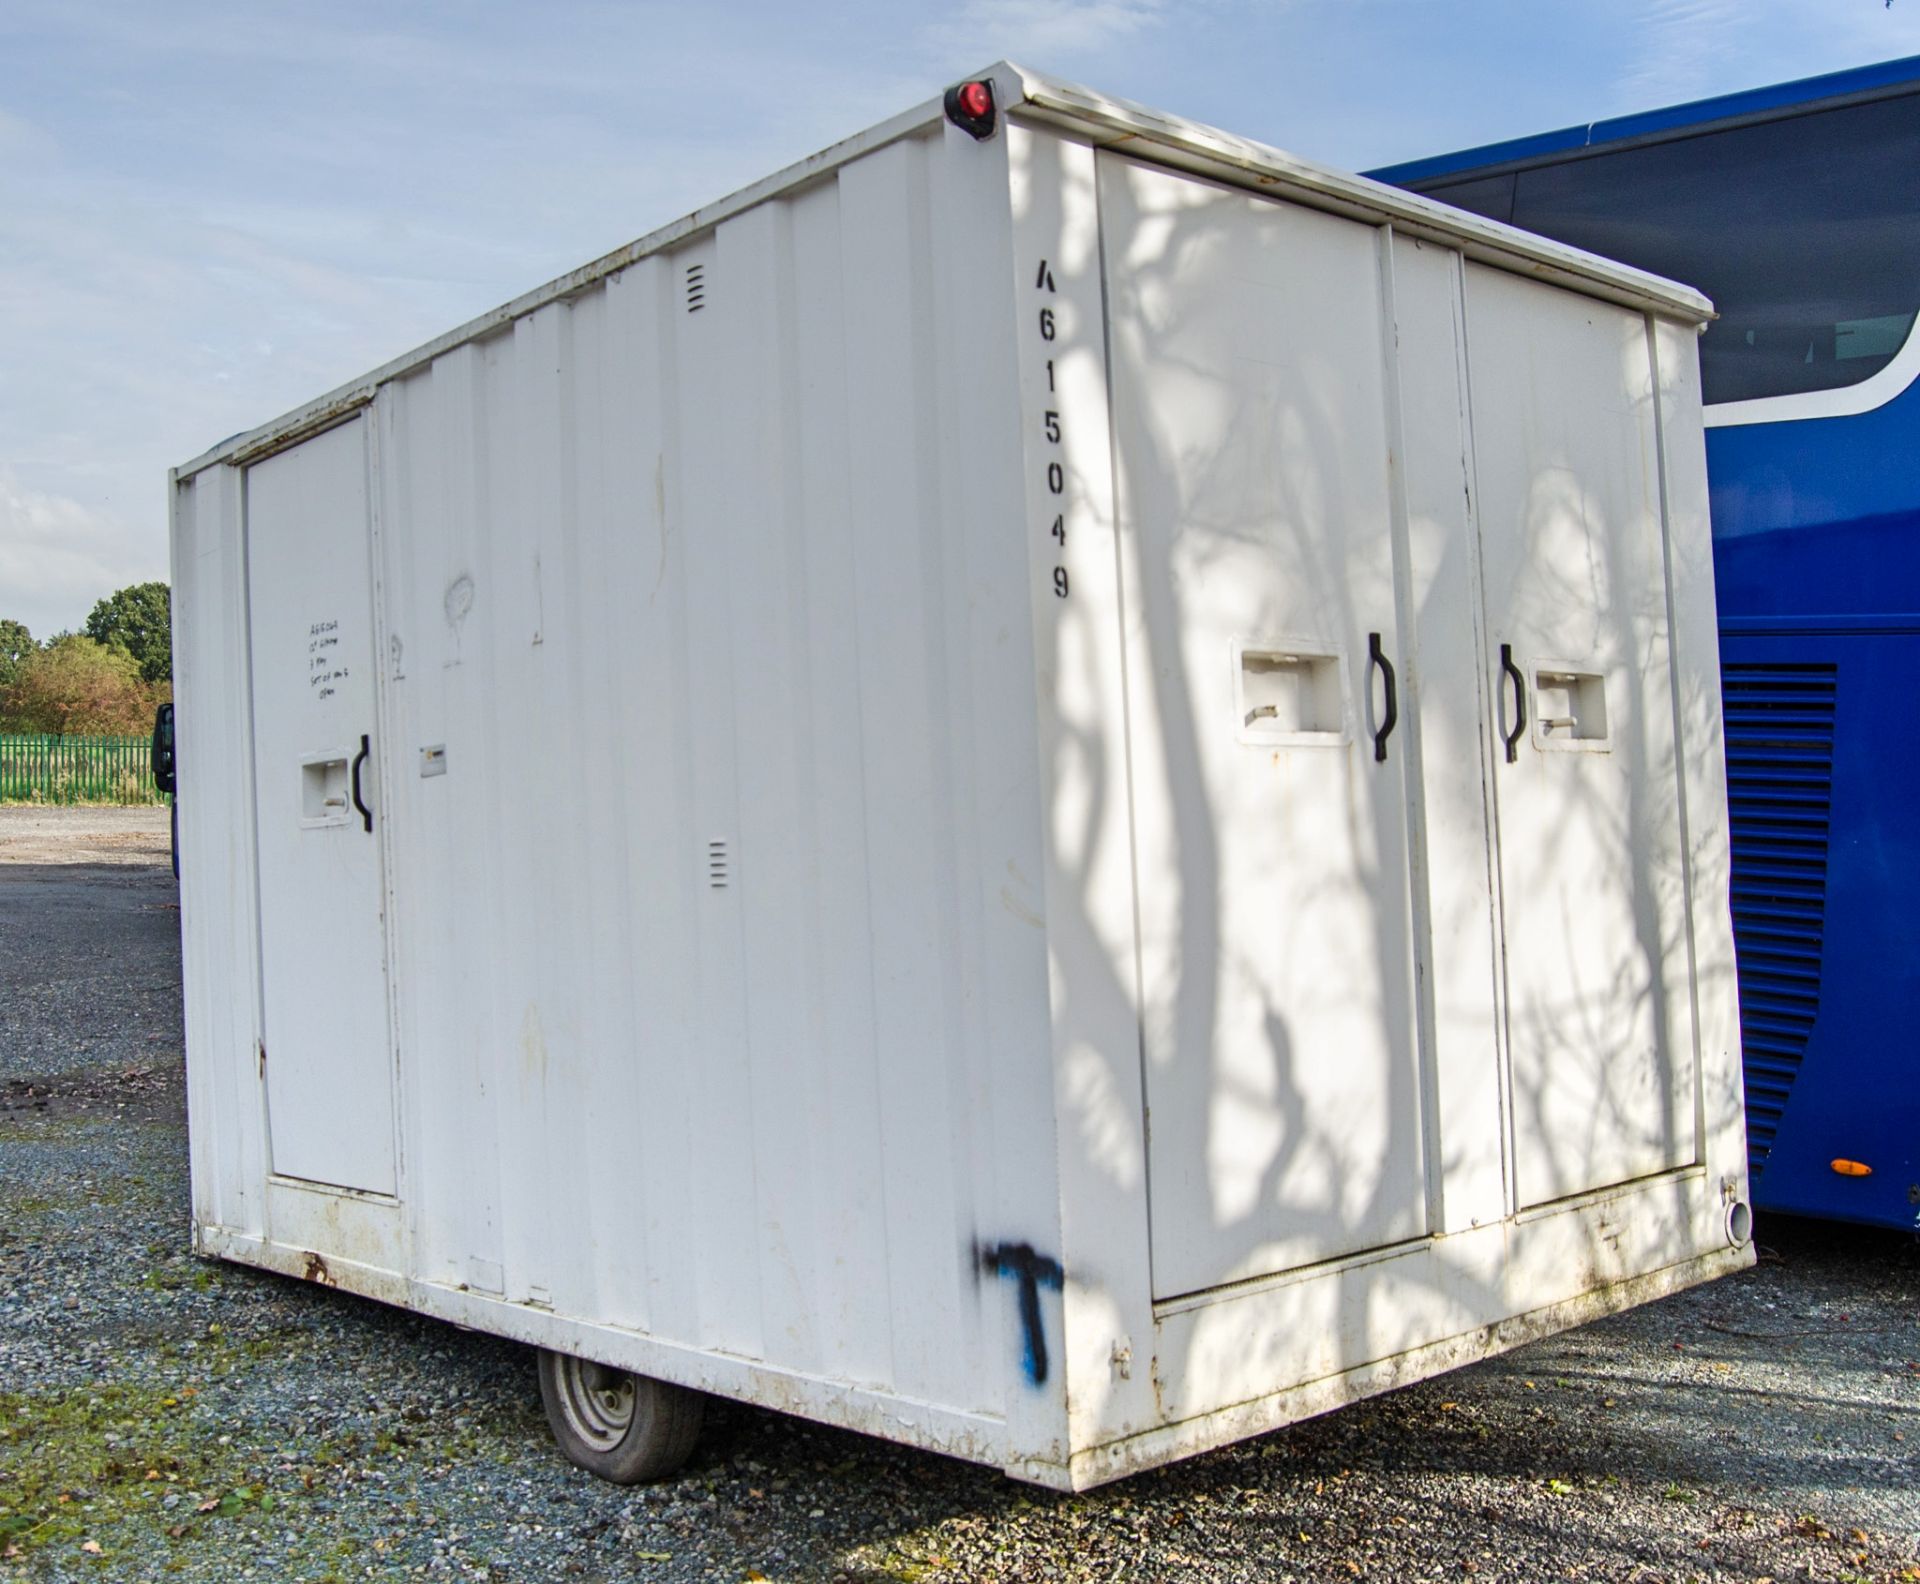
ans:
(1779, 722)
(696, 287)
(719, 865)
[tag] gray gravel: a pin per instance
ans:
(43, 834)
(166, 1418)
(89, 948)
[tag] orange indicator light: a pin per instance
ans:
(1847, 1168)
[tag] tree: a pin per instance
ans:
(16, 643)
(75, 686)
(137, 620)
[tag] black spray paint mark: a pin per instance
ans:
(1032, 1271)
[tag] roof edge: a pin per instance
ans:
(1206, 150)
(1104, 121)
(323, 411)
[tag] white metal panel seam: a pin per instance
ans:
(963, 305)
(458, 393)
(388, 504)
(1419, 902)
(713, 361)
(242, 893)
(252, 826)
(220, 1175)
(1491, 718)
(1485, 704)
(590, 1036)
(385, 736)
(920, 585)
(854, 1330)
(807, 1251)
(612, 474)
(1121, 606)
(499, 714)
(673, 1208)
(1679, 731)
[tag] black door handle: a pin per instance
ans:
(1519, 702)
(1391, 715)
(366, 747)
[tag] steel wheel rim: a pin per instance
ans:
(597, 1402)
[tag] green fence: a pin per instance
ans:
(77, 770)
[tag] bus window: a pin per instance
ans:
(1805, 232)
(1491, 196)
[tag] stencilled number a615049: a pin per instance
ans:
(1050, 426)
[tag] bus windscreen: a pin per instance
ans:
(1816, 280)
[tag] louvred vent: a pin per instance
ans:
(1779, 721)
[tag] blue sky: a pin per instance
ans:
(211, 211)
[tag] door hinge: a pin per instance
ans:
(261, 1047)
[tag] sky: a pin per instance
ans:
(214, 210)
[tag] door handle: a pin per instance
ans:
(1391, 715)
(1519, 702)
(366, 747)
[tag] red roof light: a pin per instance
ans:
(970, 108)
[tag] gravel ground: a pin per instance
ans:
(89, 941)
(167, 1418)
(39, 835)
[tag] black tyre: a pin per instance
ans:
(625, 1428)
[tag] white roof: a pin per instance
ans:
(1141, 133)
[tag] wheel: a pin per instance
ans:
(625, 1428)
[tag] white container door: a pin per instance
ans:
(1586, 786)
(1250, 422)
(328, 1063)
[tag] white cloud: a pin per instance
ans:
(1039, 31)
(1689, 49)
(22, 142)
(57, 557)
(1680, 42)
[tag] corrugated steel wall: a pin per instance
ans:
(219, 939)
(703, 975)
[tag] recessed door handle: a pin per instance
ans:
(366, 747)
(1519, 702)
(1390, 716)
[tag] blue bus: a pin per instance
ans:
(1797, 209)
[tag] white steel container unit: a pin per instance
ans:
(1057, 794)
